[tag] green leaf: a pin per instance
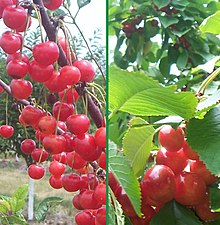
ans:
(17, 220)
(175, 214)
(18, 199)
(182, 60)
(121, 169)
(161, 3)
(167, 21)
(214, 192)
(44, 206)
(203, 136)
(165, 66)
(4, 206)
(140, 95)
(211, 24)
(115, 210)
(82, 3)
(137, 144)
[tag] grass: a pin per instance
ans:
(14, 174)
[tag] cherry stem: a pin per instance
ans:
(6, 109)
(206, 82)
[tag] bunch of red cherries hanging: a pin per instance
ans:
(178, 174)
(62, 133)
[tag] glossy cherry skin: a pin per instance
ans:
(76, 201)
(100, 137)
(17, 55)
(6, 131)
(85, 218)
(52, 4)
(191, 154)
(75, 161)
(54, 144)
(3, 4)
(158, 184)
(171, 139)
(31, 115)
(36, 172)
(86, 147)
(66, 110)
(87, 200)
(78, 124)
(21, 89)
(71, 182)
(70, 75)
(60, 157)
(28, 146)
(100, 217)
(39, 155)
(124, 201)
(204, 212)
(46, 53)
(177, 161)
(10, 43)
(39, 72)
(200, 168)
(55, 84)
(100, 193)
(22, 27)
(70, 96)
(47, 124)
(86, 69)
(55, 182)
(1, 89)
(17, 69)
(102, 160)
(14, 16)
(56, 168)
(69, 142)
(88, 181)
(190, 189)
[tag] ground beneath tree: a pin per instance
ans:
(13, 174)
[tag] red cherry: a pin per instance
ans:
(69, 142)
(85, 146)
(87, 200)
(102, 160)
(191, 154)
(52, 4)
(6, 131)
(100, 137)
(4, 3)
(70, 75)
(65, 110)
(54, 144)
(31, 115)
(46, 53)
(76, 202)
(39, 155)
(100, 193)
(100, 218)
(17, 56)
(23, 27)
(86, 69)
(78, 123)
(55, 182)
(190, 189)
(171, 139)
(71, 182)
(20, 88)
(47, 124)
(85, 218)
(177, 161)
(39, 72)
(158, 184)
(14, 16)
(60, 157)
(204, 212)
(55, 84)
(88, 181)
(36, 172)
(69, 95)
(17, 69)
(62, 125)
(56, 168)
(75, 161)
(200, 168)
(10, 43)
(28, 146)
(1, 89)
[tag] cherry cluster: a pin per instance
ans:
(78, 157)
(178, 174)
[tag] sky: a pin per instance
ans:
(90, 17)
